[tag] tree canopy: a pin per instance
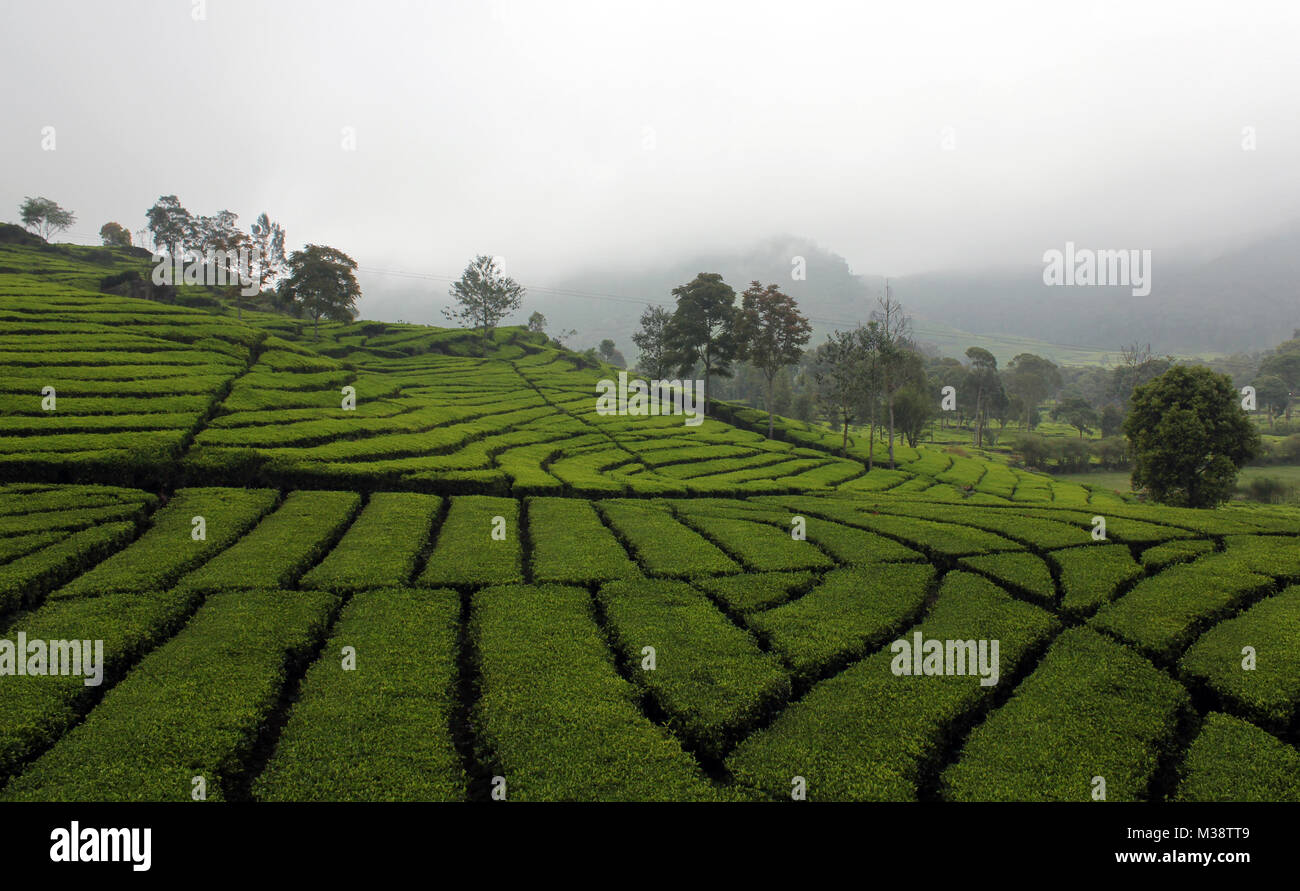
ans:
(771, 334)
(115, 235)
(483, 296)
(652, 341)
(1033, 379)
(170, 224)
(983, 382)
(45, 217)
(322, 283)
(1190, 436)
(838, 369)
(1077, 413)
(702, 331)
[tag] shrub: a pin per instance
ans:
(281, 547)
(1075, 455)
(48, 521)
(1231, 760)
(1025, 573)
(855, 546)
(570, 544)
(130, 623)
(710, 677)
(1091, 708)
(379, 732)
(1269, 693)
(945, 539)
(1266, 554)
(26, 580)
(222, 676)
(867, 734)
(167, 549)
(467, 554)
(1092, 575)
(109, 282)
(1033, 449)
(1268, 490)
(1163, 614)
(1111, 452)
(559, 720)
(1035, 531)
(663, 546)
(756, 590)
(401, 522)
(849, 613)
(761, 548)
(1163, 556)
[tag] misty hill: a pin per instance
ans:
(1199, 304)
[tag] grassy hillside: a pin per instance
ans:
(499, 557)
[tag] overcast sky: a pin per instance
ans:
(559, 134)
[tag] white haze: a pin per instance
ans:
(565, 135)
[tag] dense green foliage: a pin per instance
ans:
(1091, 709)
(1190, 436)
(350, 482)
(379, 731)
(559, 720)
(1231, 760)
(193, 708)
(708, 675)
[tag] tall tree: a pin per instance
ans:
(114, 235)
(702, 331)
(870, 360)
(611, 354)
(983, 379)
(894, 338)
(1077, 413)
(1271, 394)
(537, 323)
(652, 341)
(1033, 379)
(913, 407)
(170, 224)
(218, 233)
(771, 333)
(484, 295)
(45, 217)
(1111, 420)
(1137, 365)
(268, 241)
(947, 372)
(1190, 436)
(837, 369)
(1284, 363)
(322, 282)
(221, 238)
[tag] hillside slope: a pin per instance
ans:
(502, 560)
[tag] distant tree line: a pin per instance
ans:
(315, 281)
(1184, 428)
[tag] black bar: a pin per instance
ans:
(657, 842)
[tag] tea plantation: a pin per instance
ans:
(379, 565)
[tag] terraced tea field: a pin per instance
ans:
(473, 585)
